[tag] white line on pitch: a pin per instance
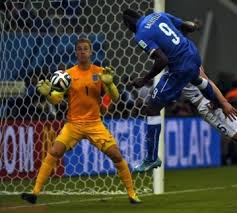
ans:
(123, 196)
(54, 203)
(201, 189)
(33, 206)
(193, 190)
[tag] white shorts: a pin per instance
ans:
(191, 93)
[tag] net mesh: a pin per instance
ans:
(38, 38)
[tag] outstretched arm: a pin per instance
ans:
(190, 26)
(185, 26)
(216, 90)
(228, 109)
(161, 61)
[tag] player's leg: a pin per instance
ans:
(55, 153)
(153, 123)
(100, 136)
(206, 89)
(193, 71)
(168, 89)
(124, 173)
(63, 142)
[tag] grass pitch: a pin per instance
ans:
(210, 190)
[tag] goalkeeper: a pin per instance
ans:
(89, 83)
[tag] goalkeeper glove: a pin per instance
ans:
(107, 78)
(107, 75)
(44, 87)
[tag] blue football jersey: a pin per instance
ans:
(162, 30)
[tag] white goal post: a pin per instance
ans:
(158, 174)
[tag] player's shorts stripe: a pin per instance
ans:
(165, 83)
(151, 52)
(153, 120)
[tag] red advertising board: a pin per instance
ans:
(23, 146)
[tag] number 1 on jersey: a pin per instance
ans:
(87, 90)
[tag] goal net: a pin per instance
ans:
(38, 38)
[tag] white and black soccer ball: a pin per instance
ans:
(60, 81)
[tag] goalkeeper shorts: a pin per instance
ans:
(95, 132)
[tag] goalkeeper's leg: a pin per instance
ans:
(45, 170)
(123, 172)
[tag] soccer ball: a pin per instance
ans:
(60, 81)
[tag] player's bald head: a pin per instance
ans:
(130, 18)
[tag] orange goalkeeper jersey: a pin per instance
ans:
(84, 94)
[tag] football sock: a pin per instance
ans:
(207, 90)
(152, 137)
(44, 172)
(125, 176)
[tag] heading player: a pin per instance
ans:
(160, 35)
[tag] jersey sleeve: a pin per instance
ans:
(148, 46)
(177, 22)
